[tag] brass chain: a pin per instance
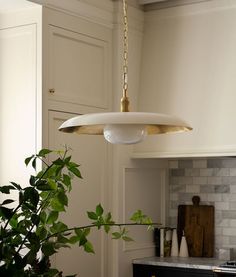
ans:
(125, 53)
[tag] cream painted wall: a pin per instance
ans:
(188, 65)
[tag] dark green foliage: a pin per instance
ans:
(32, 222)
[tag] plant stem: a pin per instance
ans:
(93, 226)
(14, 212)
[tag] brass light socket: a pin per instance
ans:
(124, 105)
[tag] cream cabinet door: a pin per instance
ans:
(91, 154)
(78, 68)
(18, 101)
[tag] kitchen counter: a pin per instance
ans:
(195, 263)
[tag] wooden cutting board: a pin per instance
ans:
(197, 221)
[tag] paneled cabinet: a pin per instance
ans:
(54, 66)
(78, 62)
(92, 155)
(163, 271)
(188, 70)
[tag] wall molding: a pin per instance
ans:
(100, 14)
(191, 9)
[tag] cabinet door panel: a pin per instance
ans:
(163, 271)
(146, 271)
(18, 101)
(91, 154)
(185, 272)
(78, 68)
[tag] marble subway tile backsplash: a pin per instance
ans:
(214, 180)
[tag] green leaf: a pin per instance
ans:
(86, 231)
(17, 186)
(92, 215)
(48, 249)
(58, 161)
(62, 239)
(7, 201)
(99, 210)
(31, 194)
(6, 189)
(116, 235)
(21, 197)
(74, 239)
(72, 164)
(43, 217)
(81, 236)
(128, 239)
(43, 185)
(52, 272)
(82, 240)
(13, 222)
(57, 205)
(59, 227)
(34, 163)
(32, 180)
(33, 239)
(75, 171)
(88, 247)
(78, 232)
(67, 160)
(108, 218)
(67, 181)
(52, 217)
(35, 219)
(136, 216)
(31, 256)
(41, 232)
(17, 240)
(44, 152)
(63, 199)
(107, 228)
(6, 213)
(27, 160)
(52, 184)
(44, 194)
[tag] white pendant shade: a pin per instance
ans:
(125, 127)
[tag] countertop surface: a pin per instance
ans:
(195, 263)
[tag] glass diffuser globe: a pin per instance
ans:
(125, 133)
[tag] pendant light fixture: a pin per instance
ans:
(124, 127)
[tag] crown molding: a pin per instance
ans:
(157, 5)
(100, 12)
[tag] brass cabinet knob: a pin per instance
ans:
(51, 90)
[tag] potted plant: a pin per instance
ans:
(31, 230)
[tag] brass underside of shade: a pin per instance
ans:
(151, 129)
